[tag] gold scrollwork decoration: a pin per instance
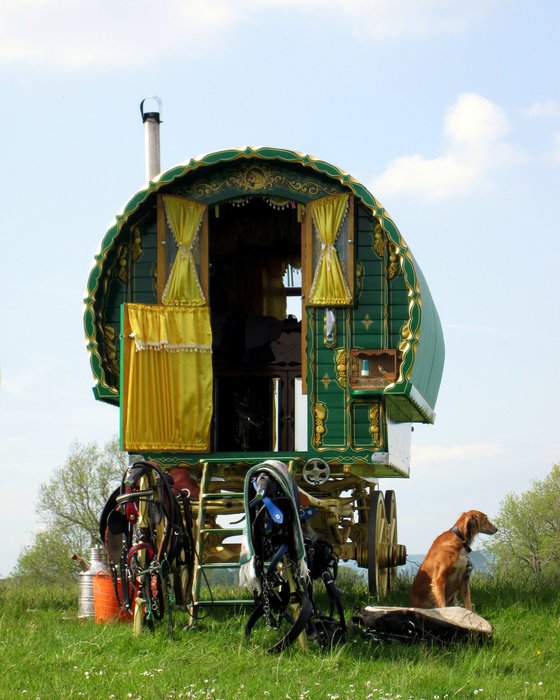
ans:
(378, 240)
(394, 264)
(341, 367)
(136, 248)
(251, 178)
(375, 428)
(320, 416)
(255, 178)
(110, 340)
(360, 274)
(406, 336)
(122, 263)
(367, 322)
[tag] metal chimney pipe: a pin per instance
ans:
(151, 120)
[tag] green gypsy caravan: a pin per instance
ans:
(260, 304)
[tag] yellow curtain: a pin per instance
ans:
(274, 301)
(166, 399)
(329, 286)
(183, 286)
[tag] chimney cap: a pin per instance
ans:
(154, 115)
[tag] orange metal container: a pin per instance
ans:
(105, 604)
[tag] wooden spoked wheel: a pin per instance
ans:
(378, 533)
(392, 538)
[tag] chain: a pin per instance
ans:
(266, 606)
(469, 569)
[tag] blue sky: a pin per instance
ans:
(449, 112)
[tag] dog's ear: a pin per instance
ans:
(473, 526)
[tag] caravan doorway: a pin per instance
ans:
(254, 250)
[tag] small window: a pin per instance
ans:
(330, 251)
(195, 246)
(292, 285)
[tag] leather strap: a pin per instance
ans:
(305, 612)
(455, 530)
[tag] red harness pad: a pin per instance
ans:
(184, 481)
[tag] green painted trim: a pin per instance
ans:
(121, 377)
(363, 459)
(266, 154)
(106, 395)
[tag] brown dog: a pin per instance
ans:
(446, 568)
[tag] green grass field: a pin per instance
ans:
(47, 653)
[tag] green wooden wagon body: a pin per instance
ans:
(292, 376)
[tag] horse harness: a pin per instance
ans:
(282, 594)
(146, 527)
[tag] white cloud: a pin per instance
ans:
(474, 131)
(105, 34)
(546, 109)
(475, 121)
(435, 178)
(388, 20)
(384, 20)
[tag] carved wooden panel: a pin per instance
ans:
(372, 370)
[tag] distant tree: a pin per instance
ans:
(69, 506)
(48, 559)
(527, 543)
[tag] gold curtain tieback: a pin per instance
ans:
(328, 248)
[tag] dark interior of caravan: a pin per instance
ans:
(255, 300)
